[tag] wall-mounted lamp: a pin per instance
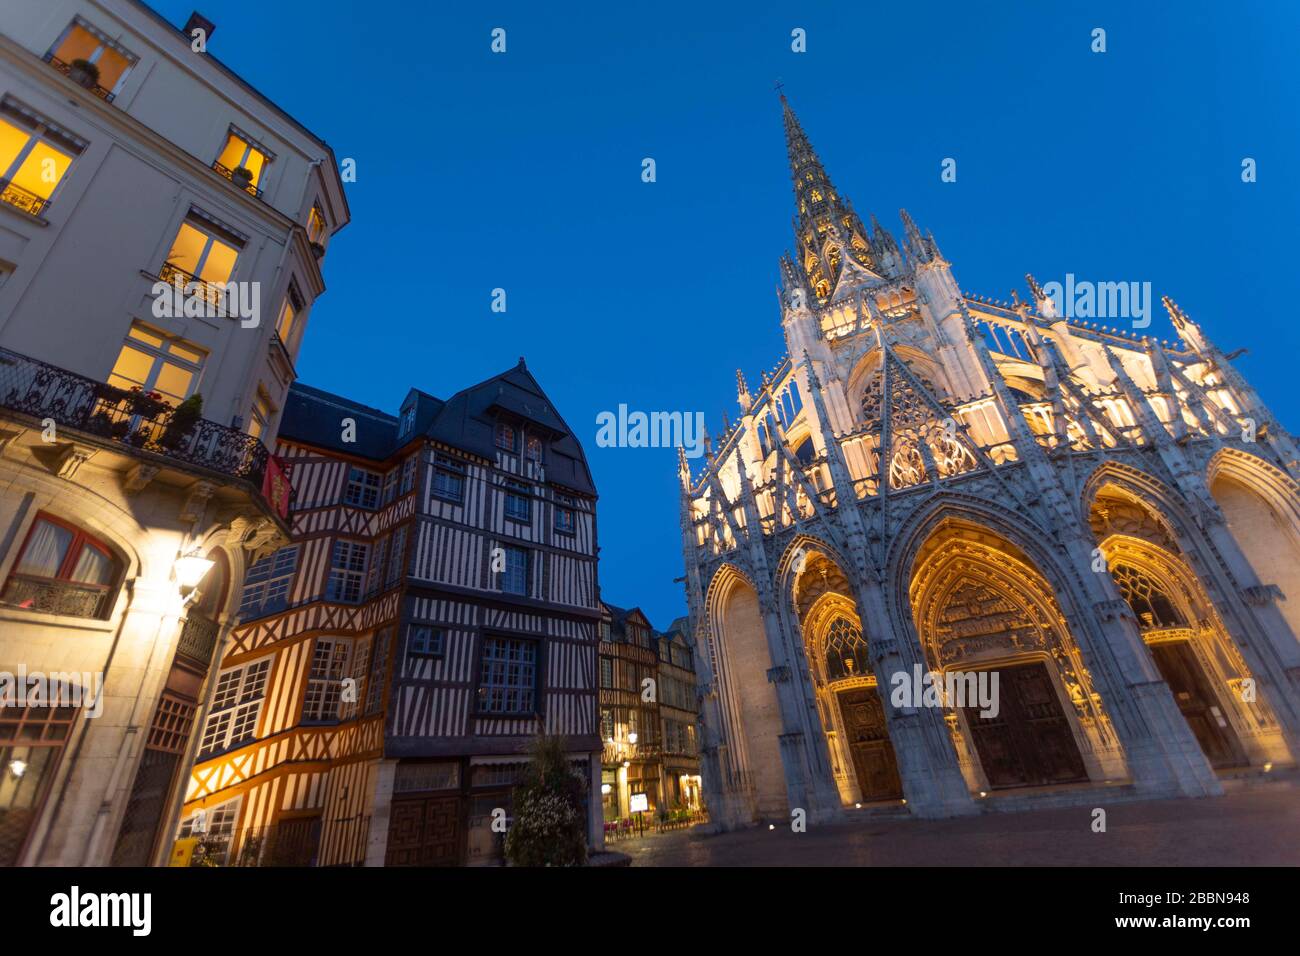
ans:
(18, 768)
(631, 738)
(190, 569)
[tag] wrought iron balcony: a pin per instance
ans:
(66, 70)
(198, 638)
(52, 596)
(191, 284)
(134, 420)
(250, 188)
(20, 198)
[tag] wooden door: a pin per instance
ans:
(1178, 665)
(868, 741)
(1029, 743)
(425, 831)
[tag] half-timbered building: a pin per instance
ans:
(435, 611)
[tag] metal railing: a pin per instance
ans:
(191, 284)
(224, 170)
(51, 596)
(198, 638)
(20, 198)
(66, 70)
(135, 420)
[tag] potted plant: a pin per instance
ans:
(182, 421)
(241, 176)
(146, 404)
(84, 73)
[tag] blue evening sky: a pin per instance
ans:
(522, 171)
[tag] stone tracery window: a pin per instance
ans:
(1149, 601)
(846, 651)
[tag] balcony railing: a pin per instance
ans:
(198, 638)
(191, 284)
(51, 596)
(250, 188)
(20, 198)
(132, 419)
(66, 70)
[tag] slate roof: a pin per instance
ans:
(465, 421)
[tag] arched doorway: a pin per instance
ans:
(753, 710)
(849, 703)
(1187, 639)
(988, 619)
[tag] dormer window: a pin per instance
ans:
(408, 422)
(507, 438)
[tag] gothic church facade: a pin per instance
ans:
(932, 482)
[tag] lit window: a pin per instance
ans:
(518, 501)
(329, 666)
(266, 588)
(81, 41)
(565, 520)
(514, 579)
(153, 362)
(507, 438)
(34, 156)
(347, 572)
(260, 414)
(288, 314)
(508, 677)
(236, 704)
(449, 479)
(215, 827)
(201, 252)
(535, 450)
(363, 489)
(424, 639)
(241, 152)
(62, 570)
(316, 226)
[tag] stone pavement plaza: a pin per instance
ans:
(1251, 827)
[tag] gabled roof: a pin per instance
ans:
(466, 421)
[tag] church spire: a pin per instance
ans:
(827, 230)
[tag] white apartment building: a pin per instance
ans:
(129, 507)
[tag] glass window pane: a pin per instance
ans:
(80, 44)
(184, 351)
(42, 170)
(174, 382)
(187, 248)
(12, 141)
(132, 368)
(232, 156)
(220, 264)
(144, 335)
(46, 549)
(111, 67)
(93, 567)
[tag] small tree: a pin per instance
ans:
(548, 828)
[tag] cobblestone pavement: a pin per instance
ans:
(1255, 827)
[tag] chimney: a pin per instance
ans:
(198, 21)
